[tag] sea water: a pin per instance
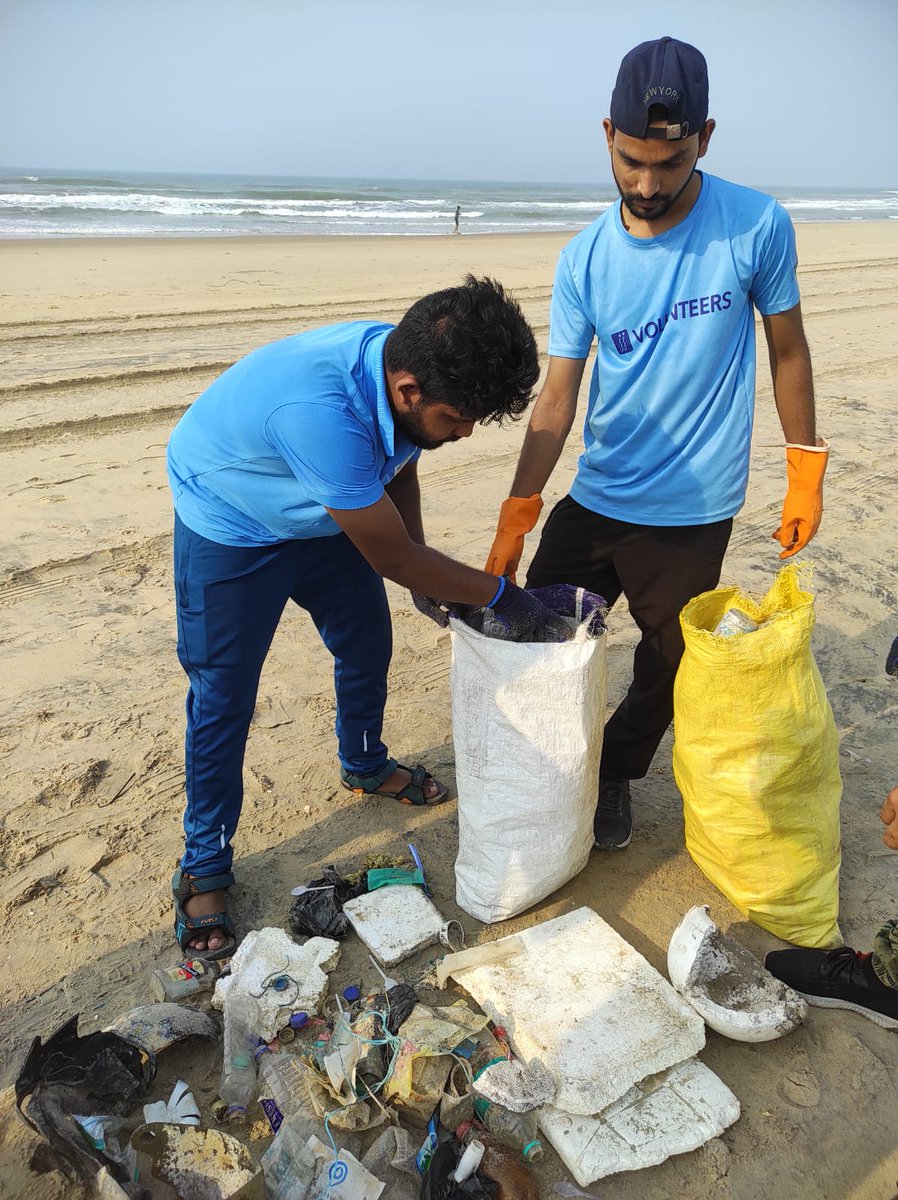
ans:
(45, 203)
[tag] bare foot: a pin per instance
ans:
(400, 778)
(201, 906)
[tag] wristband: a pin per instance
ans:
(499, 590)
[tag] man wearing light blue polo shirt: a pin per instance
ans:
(667, 282)
(294, 478)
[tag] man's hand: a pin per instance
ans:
(521, 615)
(803, 507)
(888, 814)
(517, 516)
(435, 609)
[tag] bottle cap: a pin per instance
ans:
(281, 983)
(351, 994)
(298, 1020)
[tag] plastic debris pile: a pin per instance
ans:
(451, 1081)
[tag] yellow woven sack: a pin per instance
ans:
(756, 758)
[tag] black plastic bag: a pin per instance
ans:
(318, 912)
(437, 1185)
(99, 1074)
(401, 999)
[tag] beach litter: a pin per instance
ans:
(179, 1109)
(280, 975)
(71, 1089)
(179, 1162)
(158, 1026)
(317, 908)
(727, 985)
(561, 1032)
(590, 1008)
(676, 1111)
(616, 1039)
(395, 922)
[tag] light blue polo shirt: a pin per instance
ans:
(671, 400)
(297, 425)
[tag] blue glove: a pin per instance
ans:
(435, 609)
(522, 616)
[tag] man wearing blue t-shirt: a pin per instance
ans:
(666, 280)
(295, 479)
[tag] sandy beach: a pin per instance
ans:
(103, 344)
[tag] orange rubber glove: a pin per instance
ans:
(803, 507)
(517, 516)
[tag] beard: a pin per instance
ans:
(657, 206)
(412, 427)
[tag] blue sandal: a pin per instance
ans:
(186, 927)
(412, 793)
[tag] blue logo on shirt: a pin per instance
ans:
(698, 306)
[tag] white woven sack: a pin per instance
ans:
(527, 722)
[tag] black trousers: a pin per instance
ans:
(658, 568)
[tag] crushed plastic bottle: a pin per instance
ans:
(518, 1130)
(242, 1021)
(281, 1087)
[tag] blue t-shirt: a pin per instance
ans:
(671, 401)
(299, 424)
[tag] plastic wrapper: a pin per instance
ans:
(318, 911)
(69, 1074)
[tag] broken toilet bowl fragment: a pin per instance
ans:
(727, 985)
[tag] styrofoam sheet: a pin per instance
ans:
(267, 953)
(394, 922)
(670, 1114)
(589, 1007)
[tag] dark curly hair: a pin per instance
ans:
(469, 347)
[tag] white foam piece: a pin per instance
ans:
(265, 955)
(674, 1113)
(590, 1008)
(395, 922)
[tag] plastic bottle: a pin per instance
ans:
(187, 978)
(242, 1021)
(512, 1129)
(281, 1080)
(487, 1052)
(733, 622)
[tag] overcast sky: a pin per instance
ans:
(803, 90)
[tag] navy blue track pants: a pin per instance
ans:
(229, 602)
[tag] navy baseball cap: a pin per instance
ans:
(665, 72)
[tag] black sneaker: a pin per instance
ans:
(837, 979)
(613, 824)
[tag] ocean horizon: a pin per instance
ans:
(46, 203)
